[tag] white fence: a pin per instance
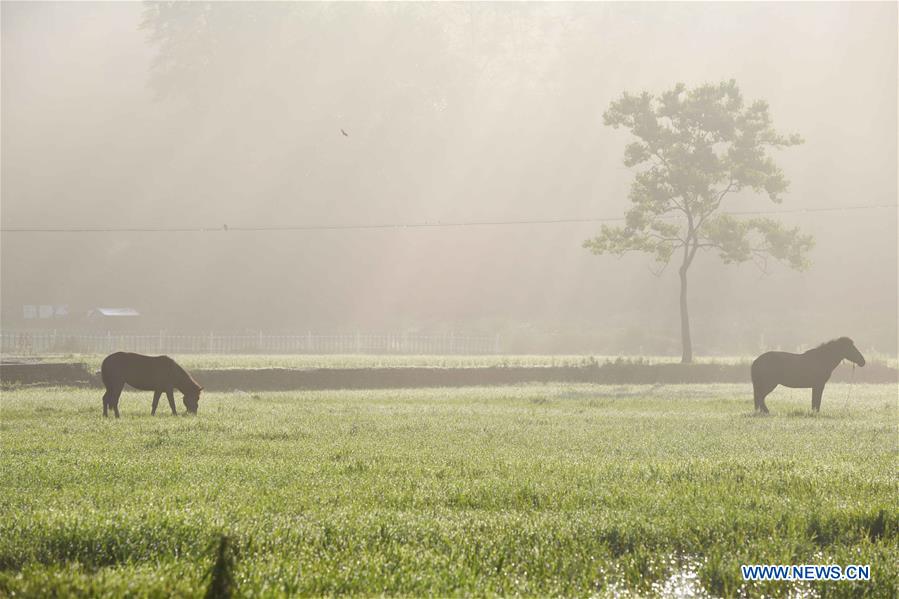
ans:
(43, 342)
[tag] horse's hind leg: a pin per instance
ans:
(111, 400)
(111, 397)
(114, 386)
(114, 403)
(762, 405)
(817, 392)
(759, 394)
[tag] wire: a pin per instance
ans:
(413, 225)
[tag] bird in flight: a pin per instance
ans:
(345, 134)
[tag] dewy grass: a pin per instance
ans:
(568, 490)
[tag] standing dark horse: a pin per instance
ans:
(159, 374)
(809, 370)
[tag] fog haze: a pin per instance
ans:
(302, 115)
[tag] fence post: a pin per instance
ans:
(496, 344)
(211, 341)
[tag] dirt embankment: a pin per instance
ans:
(282, 379)
(47, 373)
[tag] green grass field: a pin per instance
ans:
(534, 490)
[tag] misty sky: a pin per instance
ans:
(152, 116)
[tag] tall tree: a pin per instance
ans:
(695, 148)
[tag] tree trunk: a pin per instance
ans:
(686, 342)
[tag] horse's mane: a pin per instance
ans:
(186, 378)
(833, 342)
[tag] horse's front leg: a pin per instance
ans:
(170, 396)
(156, 396)
(817, 392)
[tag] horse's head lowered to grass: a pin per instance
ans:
(188, 386)
(191, 400)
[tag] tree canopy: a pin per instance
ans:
(699, 146)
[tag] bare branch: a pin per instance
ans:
(661, 269)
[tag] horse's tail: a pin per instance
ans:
(754, 370)
(107, 369)
(104, 370)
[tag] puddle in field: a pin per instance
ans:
(682, 583)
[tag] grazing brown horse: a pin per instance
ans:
(159, 374)
(809, 370)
